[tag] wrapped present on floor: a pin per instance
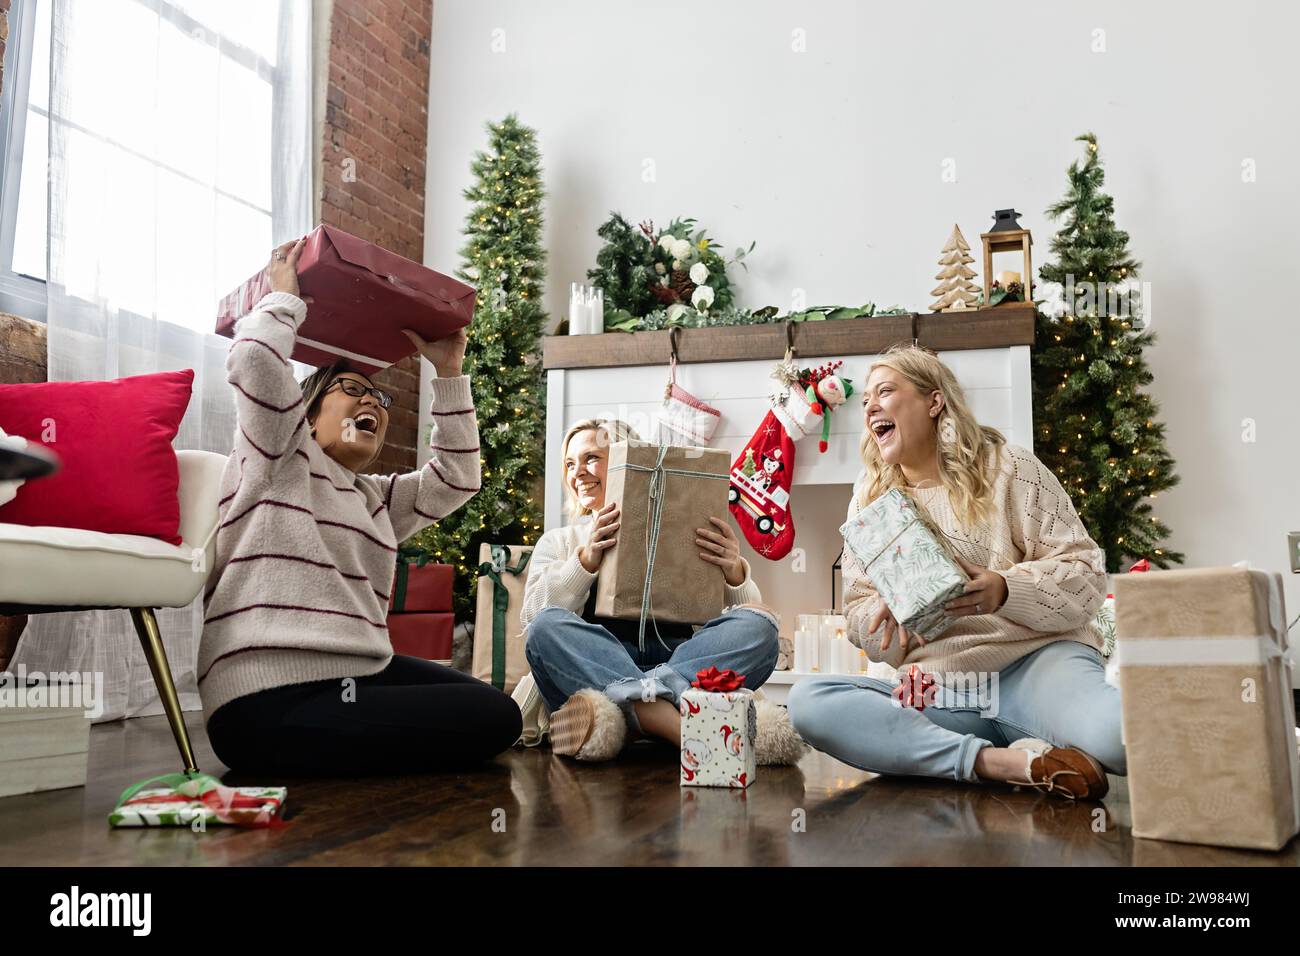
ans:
(498, 636)
(420, 586)
(908, 561)
(1208, 714)
(363, 297)
(719, 725)
(425, 635)
(664, 494)
(196, 800)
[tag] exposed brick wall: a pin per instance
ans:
(4, 37)
(22, 349)
(372, 184)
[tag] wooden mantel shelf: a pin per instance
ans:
(997, 327)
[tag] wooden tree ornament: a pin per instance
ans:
(956, 290)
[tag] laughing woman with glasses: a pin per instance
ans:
(296, 671)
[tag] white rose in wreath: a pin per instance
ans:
(699, 273)
(702, 297)
(659, 268)
(681, 249)
(666, 242)
(677, 264)
(675, 311)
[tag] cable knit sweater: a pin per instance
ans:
(305, 548)
(1055, 574)
(556, 578)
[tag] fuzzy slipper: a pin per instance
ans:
(776, 742)
(589, 726)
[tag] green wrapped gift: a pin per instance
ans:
(908, 561)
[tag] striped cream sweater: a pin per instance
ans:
(306, 548)
(1055, 574)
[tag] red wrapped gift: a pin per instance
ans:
(363, 297)
(421, 588)
(422, 635)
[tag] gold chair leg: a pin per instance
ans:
(146, 626)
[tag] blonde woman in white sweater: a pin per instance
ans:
(1020, 693)
(595, 678)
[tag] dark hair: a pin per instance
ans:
(314, 385)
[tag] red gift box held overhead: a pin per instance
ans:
(363, 297)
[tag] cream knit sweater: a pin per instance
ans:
(556, 578)
(1055, 574)
(306, 549)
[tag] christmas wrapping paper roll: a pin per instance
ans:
(907, 561)
(654, 571)
(1208, 714)
(718, 731)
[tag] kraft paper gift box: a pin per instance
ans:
(421, 588)
(664, 494)
(428, 636)
(1208, 714)
(363, 297)
(718, 730)
(498, 636)
(908, 562)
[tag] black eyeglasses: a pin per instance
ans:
(356, 389)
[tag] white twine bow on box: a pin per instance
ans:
(654, 515)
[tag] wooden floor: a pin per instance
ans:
(631, 812)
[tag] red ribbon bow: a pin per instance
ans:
(915, 689)
(718, 681)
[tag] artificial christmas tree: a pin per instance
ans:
(503, 256)
(956, 290)
(1094, 426)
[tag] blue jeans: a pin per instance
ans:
(1058, 693)
(567, 653)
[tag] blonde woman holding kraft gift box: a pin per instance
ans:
(595, 677)
(296, 671)
(1019, 693)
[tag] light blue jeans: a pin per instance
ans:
(1058, 693)
(567, 653)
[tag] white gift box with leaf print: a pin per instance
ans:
(911, 569)
(718, 731)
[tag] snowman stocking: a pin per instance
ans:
(760, 488)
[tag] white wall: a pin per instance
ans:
(831, 160)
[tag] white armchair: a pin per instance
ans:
(64, 569)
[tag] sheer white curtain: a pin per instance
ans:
(180, 153)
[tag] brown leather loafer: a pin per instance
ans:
(1064, 772)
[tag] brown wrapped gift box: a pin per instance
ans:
(1208, 713)
(684, 589)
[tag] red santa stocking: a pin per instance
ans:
(760, 489)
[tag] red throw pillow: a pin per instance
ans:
(114, 440)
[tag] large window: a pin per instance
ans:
(168, 107)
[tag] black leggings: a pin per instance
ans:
(414, 716)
